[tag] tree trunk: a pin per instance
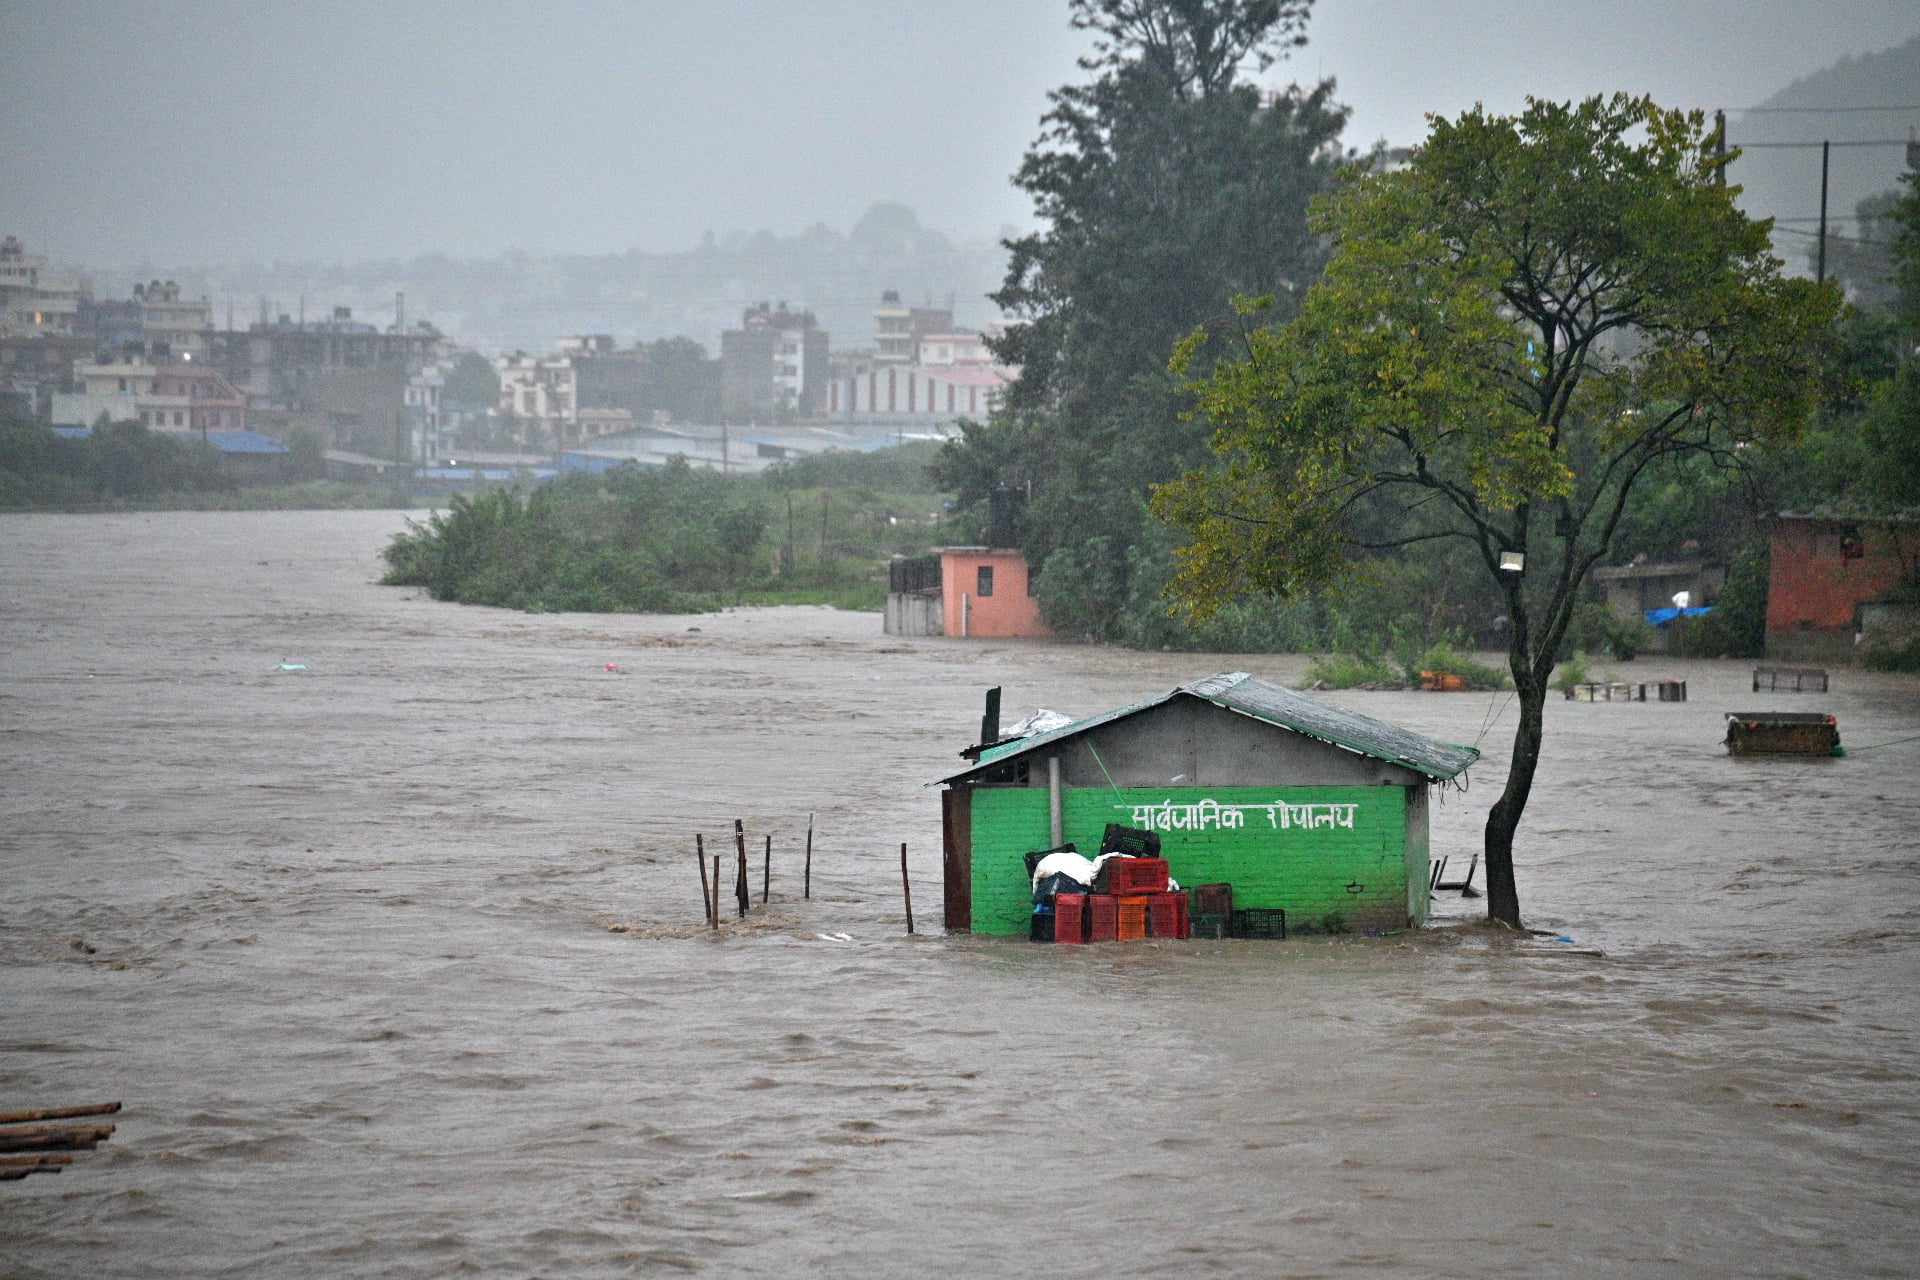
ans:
(1503, 897)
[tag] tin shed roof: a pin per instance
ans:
(1283, 708)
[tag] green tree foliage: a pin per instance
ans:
(1167, 183)
(1513, 331)
(118, 462)
(472, 383)
(664, 541)
(1903, 220)
(1860, 259)
(681, 381)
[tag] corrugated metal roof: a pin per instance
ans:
(1282, 708)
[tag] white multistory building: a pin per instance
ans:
(540, 394)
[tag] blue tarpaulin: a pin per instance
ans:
(1661, 617)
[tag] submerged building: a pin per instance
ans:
(1299, 805)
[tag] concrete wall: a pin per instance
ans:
(913, 613)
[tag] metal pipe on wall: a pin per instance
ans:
(1053, 801)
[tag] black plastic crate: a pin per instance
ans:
(1132, 841)
(1260, 922)
(1042, 928)
(1212, 926)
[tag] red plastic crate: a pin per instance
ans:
(1070, 917)
(1163, 914)
(1212, 899)
(1133, 918)
(1186, 918)
(1103, 917)
(1130, 876)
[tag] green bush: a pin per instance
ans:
(1737, 627)
(1894, 650)
(1595, 628)
(1571, 672)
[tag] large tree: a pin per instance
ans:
(1165, 183)
(1533, 314)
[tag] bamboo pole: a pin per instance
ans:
(59, 1113)
(714, 919)
(766, 871)
(806, 886)
(906, 888)
(700, 856)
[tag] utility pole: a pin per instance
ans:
(1821, 271)
(1720, 147)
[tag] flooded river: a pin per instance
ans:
(343, 940)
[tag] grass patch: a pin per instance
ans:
(1350, 671)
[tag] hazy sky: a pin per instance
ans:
(337, 129)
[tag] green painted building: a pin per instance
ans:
(1297, 804)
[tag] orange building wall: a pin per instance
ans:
(1812, 588)
(1010, 611)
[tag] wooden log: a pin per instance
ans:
(59, 1113)
(700, 856)
(740, 873)
(716, 891)
(55, 1130)
(32, 1162)
(806, 886)
(54, 1140)
(906, 889)
(766, 871)
(14, 1175)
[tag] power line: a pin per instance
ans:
(1816, 111)
(1776, 146)
(1834, 235)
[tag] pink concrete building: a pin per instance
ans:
(987, 592)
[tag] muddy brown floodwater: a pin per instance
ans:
(340, 940)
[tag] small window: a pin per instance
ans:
(986, 581)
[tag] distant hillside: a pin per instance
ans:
(519, 300)
(1785, 183)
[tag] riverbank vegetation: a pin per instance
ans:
(123, 466)
(678, 540)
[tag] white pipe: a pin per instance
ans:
(966, 614)
(1053, 800)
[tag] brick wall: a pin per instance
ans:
(1814, 589)
(1325, 877)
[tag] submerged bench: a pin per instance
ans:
(1804, 679)
(1608, 690)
